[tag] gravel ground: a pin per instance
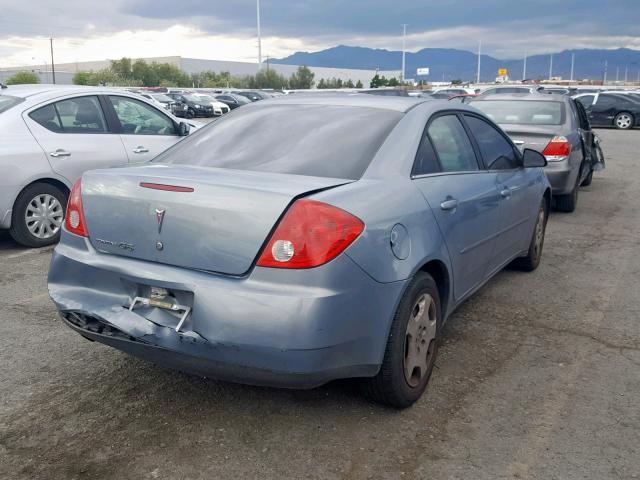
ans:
(538, 377)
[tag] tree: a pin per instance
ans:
(393, 82)
(122, 68)
(457, 81)
(321, 84)
(359, 84)
(378, 81)
(267, 78)
(21, 78)
(82, 78)
(302, 78)
(349, 84)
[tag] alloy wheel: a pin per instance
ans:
(44, 216)
(420, 339)
(623, 121)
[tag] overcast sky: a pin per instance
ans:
(226, 30)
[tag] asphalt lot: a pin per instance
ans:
(538, 377)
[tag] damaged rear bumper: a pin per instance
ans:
(295, 329)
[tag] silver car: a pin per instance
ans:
(50, 135)
(555, 125)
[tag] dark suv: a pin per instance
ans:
(195, 106)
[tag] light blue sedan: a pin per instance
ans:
(302, 240)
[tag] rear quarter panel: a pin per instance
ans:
(22, 162)
(381, 205)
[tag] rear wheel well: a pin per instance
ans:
(440, 275)
(50, 181)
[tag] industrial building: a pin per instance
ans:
(65, 71)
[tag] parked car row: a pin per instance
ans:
(556, 126)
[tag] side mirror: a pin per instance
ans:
(183, 129)
(533, 158)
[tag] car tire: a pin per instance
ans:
(623, 121)
(39, 200)
(531, 261)
(412, 346)
(567, 203)
(190, 113)
(587, 181)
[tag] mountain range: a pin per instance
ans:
(446, 64)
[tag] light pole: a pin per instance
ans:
(404, 35)
(524, 67)
(259, 35)
(550, 66)
(53, 66)
(479, 54)
(573, 59)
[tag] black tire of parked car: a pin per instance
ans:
(191, 113)
(19, 231)
(620, 125)
(567, 203)
(534, 254)
(389, 386)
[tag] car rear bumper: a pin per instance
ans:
(295, 329)
(562, 177)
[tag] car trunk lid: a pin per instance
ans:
(216, 220)
(529, 136)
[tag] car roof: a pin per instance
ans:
(399, 104)
(540, 97)
(26, 91)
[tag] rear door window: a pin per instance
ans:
(73, 115)
(48, 118)
(452, 145)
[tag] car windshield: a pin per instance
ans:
(192, 98)
(317, 140)
(7, 101)
(162, 98)
(522, 112)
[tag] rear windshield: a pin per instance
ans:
(316, 140)
(522, 112)
(7, 101)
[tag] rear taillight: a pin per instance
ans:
(74, 220)
(310, 234)
(557, 149)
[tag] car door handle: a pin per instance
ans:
(60, 153)
(505, 192)
(449, 204)
(518, 142)
(141, 149)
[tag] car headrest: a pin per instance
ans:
(87, 113)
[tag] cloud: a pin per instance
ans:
(226, 29)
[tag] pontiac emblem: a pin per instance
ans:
(159, 218)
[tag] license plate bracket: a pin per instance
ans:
(181, 310)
